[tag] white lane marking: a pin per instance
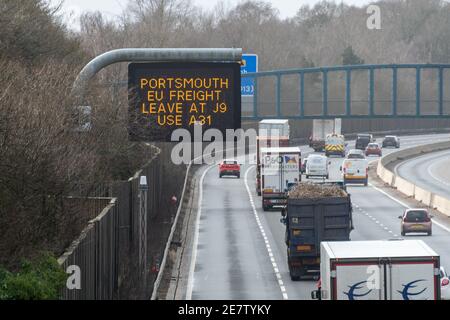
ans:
(190, 285)
(430, 172)
(269, 249)
(407, 207)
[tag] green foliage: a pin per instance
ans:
(349, 57)
(41, 279)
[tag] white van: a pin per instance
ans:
(317, 166)
(355, 170)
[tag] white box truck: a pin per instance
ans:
(321, 129)
(274, 128)
(378, 270)
(280, 171)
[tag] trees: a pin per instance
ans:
(349, 57)
(32, 32)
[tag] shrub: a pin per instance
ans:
(41, 279)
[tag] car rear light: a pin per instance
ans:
(445, 282)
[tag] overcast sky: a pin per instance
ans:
(112, 8)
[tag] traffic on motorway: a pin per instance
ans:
(303, 222)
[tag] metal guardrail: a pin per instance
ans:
(324, 74)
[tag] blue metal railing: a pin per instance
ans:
(415, 111)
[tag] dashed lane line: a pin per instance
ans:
(266, 240)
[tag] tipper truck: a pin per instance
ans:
(321, 129)
(280, 171)
(315, 212)
(378, 270)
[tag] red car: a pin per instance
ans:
(373, 149)
(230, 168)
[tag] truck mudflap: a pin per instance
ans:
(304, 268)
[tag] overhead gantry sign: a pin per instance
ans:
(173, 89)
(169, 96)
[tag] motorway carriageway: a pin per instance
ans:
(430, 171)
(240, 253)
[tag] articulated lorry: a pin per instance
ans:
(271, 134)
(321, 129)
(378, 270)
(315, 212)
(280, 171)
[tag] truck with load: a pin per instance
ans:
(315, 212)
(379, 270)
(271, 133)
(321, 129)
(280, 171)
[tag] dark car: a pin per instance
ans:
(391, 141)
(363, 140)
(416, 220)
(373, 149)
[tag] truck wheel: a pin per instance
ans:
(265, 208)
(366, 183)
(220, 176)
(307, 177)
(430, 233)
(403, 233)
(238, 176)
(259, 193)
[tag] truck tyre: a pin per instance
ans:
(259, 193)
(403, 233)
(265, 208)
(430, 233)
(238, 176)
(220, 176)
(366, 183)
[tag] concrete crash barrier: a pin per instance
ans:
(442, 204)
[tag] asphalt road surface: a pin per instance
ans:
(241, 254)
(430, 171)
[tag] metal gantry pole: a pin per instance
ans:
(149, 55)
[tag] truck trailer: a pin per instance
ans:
(267, 142)
(378, 270)
(321, 129)
(280, 171)
(315, 212)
